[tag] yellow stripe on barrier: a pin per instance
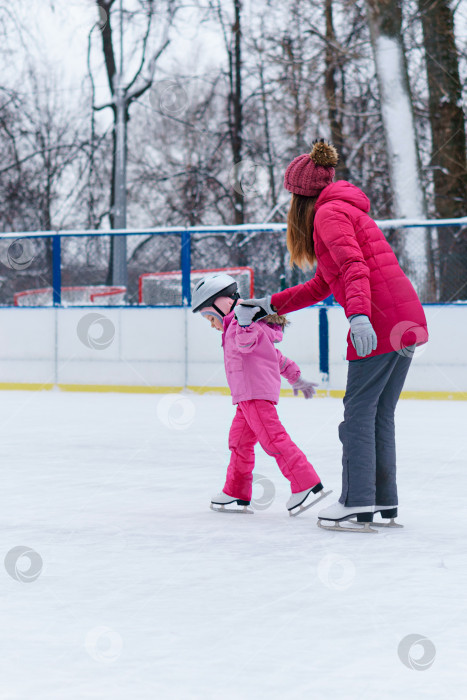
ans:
(224, 391)
(19, 386)
(435, 395)
(121, 388)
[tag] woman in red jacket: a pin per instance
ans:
(328, 224)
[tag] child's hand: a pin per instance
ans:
(249, 310)
(308, 388)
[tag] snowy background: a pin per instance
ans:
(118, 581)
(222, 109)
(139, 590)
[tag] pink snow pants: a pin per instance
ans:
(257, 421)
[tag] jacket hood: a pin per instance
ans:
(345, 192)
(274, 329)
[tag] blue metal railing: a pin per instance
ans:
(57, 270)
(185, 246)
(185, 243)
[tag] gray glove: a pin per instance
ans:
(362, 335)
(245, 314)
(308, 388)
(250, 310)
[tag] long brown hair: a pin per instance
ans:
(300, 221)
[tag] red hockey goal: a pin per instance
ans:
(165, 288)
(99, 295)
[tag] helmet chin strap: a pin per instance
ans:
(220, 311)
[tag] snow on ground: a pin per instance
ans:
(137, 590)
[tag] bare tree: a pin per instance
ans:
(448, 159)
(232, 32)
(122, 96)
(334, 57)
(385, 22)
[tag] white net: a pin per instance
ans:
(96, 295)
(165, 288)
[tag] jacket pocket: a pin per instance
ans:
(235, 365)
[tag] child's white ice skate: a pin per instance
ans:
(298, 502)
(360, 516)
(222, 499)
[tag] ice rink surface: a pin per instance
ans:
(129, 587)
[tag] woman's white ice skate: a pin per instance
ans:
(222, 499)
(388, 513)
(337, 513)
(298, 502)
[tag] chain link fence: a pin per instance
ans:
(433, 255)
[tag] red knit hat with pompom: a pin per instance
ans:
(311, 172)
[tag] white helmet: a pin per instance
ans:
(209, 288)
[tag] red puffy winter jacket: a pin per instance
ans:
(356, 264)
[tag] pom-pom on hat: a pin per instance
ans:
(311, 172)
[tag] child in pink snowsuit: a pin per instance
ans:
(254, 367)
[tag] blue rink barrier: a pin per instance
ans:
(186, 233)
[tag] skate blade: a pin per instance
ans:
(244, 510)
(380, 523)
(391, 523)
(359, 527)
(299, 509)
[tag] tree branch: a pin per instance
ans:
(143, 55)
(41, 151)
(140, 91)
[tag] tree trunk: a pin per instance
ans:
(448, 142)
(113, 277)
(121, 98)
(385, 20)
(267, 134)
(330, 90)
(235, 112)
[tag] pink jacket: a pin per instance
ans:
(252, 364)
(358, 266)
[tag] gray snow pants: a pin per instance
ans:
(367, 433)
